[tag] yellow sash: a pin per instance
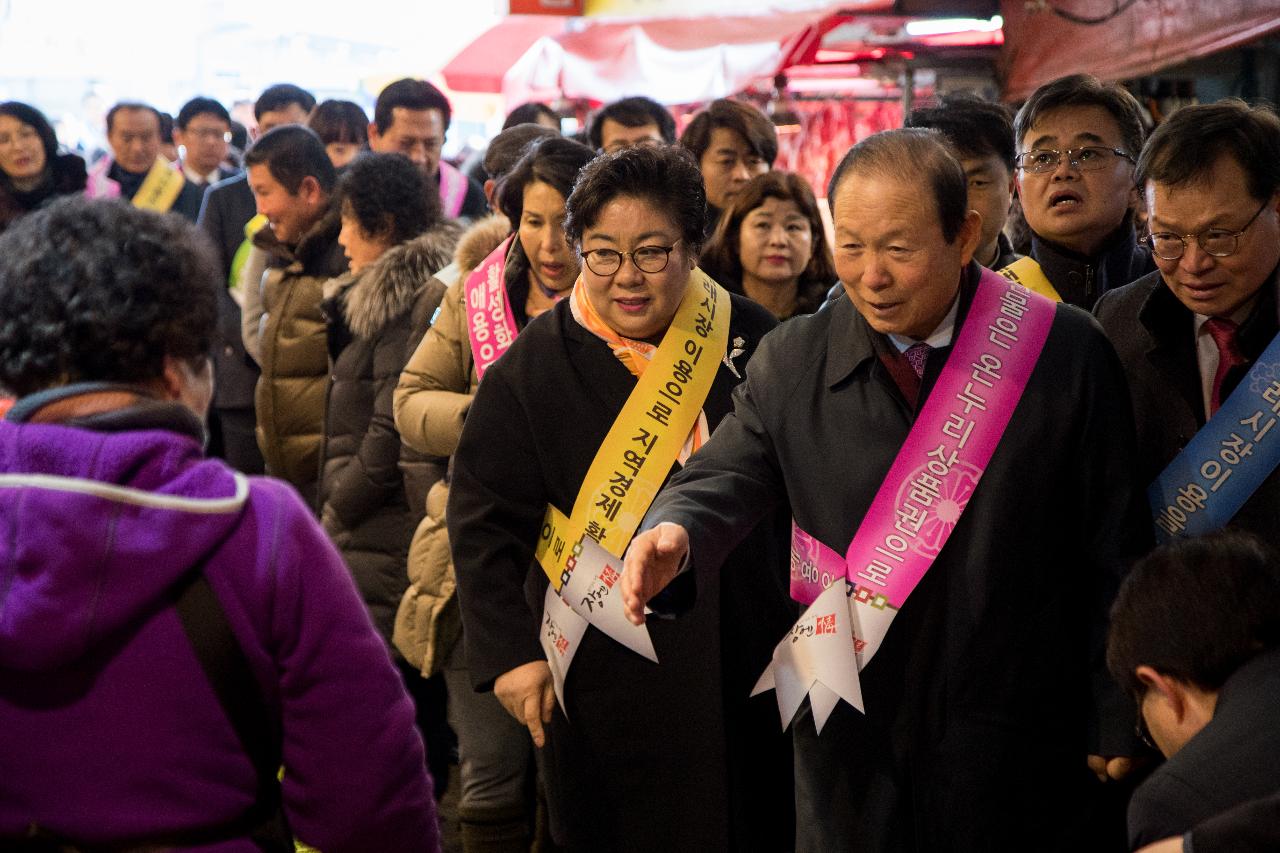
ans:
(1026, 272)
(637, 454)
(251, 228)
(160, 188)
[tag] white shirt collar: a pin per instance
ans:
(940, 337)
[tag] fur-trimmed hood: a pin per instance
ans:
(387, 288)
(480, 240)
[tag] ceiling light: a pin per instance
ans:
(940, 26)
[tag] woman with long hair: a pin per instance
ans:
(32, 171)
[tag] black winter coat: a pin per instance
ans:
(1080, 280)
(375, 320)
(665, 757)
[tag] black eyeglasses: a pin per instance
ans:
(1090, 158)
(648, 259)
(1218, 242)
(1143, 733)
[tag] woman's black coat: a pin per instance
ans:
(668, 756)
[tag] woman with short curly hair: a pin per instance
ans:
(174, 632)
(636, 755)
(395, 237)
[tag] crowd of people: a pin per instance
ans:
(573, 449)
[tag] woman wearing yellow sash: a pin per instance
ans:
(570, 435)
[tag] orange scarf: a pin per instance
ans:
(634, 355)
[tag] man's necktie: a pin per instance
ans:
(917, 355)
(1223, 333)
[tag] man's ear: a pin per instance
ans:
(309, 190)
(489, 186)
(1169, 690)
(374, 136)
(970, 234)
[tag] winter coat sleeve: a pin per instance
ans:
(365, 482)
(252, 308)
(496, 502)
(355, 773)
(433, 396)
(733, 482)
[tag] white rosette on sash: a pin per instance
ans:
(922, 498)
(815, 660)
(589, 597)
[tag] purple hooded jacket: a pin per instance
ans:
(109, 728)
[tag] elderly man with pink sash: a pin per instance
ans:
(956, 452)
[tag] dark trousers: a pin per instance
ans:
(430, 705)
(232, 436)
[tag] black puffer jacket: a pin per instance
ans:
(375, 320)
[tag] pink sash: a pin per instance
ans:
(915, 510)
(945, 454)
(490, 325)
(98, 184)
(453, 189)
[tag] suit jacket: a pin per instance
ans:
(1230, 761)
(990, 688)
(228, 205)
(642, 761)
(1253, 827)
(1154, 335)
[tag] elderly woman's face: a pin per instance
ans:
(635, 303)
(21, 151)
(360, 247)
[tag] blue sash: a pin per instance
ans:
(1225, 462)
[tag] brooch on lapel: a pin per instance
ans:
(739, 345)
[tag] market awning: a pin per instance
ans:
(672, 60)
(1073, 36)
(482, 65)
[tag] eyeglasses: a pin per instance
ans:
(649, 259)
(1141, 730)
(209, 133)
(1090, 158)
(1217, 242)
